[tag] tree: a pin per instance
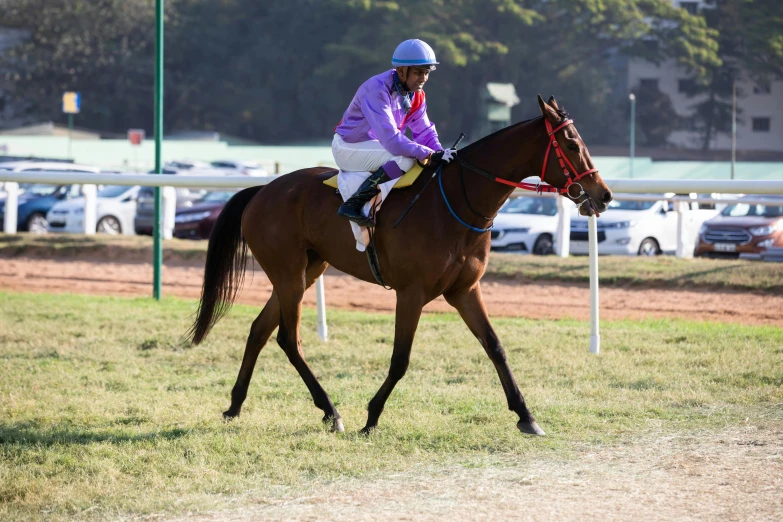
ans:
(750, 47)
(655, 117)
(99, 48)
(283, 71)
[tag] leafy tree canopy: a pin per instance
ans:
(285, 71)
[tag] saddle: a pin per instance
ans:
(406, 180)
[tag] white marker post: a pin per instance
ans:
(90, 193)
(11, 204)
(320, 304)
(592, 237)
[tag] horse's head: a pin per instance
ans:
(574, 172)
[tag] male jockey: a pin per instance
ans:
(371, 135)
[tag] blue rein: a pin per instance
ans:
(445, 199)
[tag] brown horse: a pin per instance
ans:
(293, 231)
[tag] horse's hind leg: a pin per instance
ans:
(262, 329)
(471, 308)
(290, 341)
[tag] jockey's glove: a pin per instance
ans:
(443, 156)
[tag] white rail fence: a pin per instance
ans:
(638, 186)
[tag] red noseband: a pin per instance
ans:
(564, 163)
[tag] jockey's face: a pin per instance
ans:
(414, 77)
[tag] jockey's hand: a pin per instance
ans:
(443, 156)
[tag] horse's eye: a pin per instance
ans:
(574, 147)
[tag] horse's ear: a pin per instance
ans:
(548, 112)
(553, 102)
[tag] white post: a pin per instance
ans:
(683, 241)
(320, 305)
(592, 237)
(90, 193)
(563, 242)
(169, 195)
(11, 204)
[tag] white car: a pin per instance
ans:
(644, 228)
(526, 224)
(238, 168)
(42, 166)
(116, 207)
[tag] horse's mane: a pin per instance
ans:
(560, 112)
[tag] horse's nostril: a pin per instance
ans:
(608, 196)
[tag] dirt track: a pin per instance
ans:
(511, 299)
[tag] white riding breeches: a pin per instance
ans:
(365, 156)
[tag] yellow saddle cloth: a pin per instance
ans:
(406, 180)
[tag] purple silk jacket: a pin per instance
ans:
(376, 113)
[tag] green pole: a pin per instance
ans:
(157, 232)
(70, 130)
(632, 97)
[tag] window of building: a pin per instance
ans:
(648, 83)
(691, 7)
(760, 124)
(685, 85)
(762, 88)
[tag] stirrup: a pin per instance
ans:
(352, 208)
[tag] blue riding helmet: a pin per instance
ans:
(414, 53)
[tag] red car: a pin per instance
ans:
(197, 221)
(742, 228)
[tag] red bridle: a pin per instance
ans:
(565, 164)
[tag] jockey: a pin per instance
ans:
(371, 135)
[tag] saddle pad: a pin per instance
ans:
(406, 180)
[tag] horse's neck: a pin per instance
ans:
(512, 155)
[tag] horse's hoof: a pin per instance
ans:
(531, 428)
(337, 425)
(367, 430)
(228, 415)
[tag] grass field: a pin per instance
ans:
(660, 271)
(105, 413)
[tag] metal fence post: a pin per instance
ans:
(169, 211)
(11, 204)
(90, 193)
(682, 232)
(563, 240)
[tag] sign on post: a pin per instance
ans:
(135, 136)
(72, 102)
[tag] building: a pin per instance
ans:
(495, 103)
(760, 125)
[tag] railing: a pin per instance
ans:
(90, 181)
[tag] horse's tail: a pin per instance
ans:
(224, 270)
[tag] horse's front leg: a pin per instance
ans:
(470, 306)
(409, 305)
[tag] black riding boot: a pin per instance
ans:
(352, 209)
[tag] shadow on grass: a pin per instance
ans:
(32, 434)
(691, 275)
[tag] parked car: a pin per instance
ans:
(526, 224)
(145, 207)
(197, 221)
(233, 168)
(36, 199)
(116, 206)
(644, 228)
(742, 228)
